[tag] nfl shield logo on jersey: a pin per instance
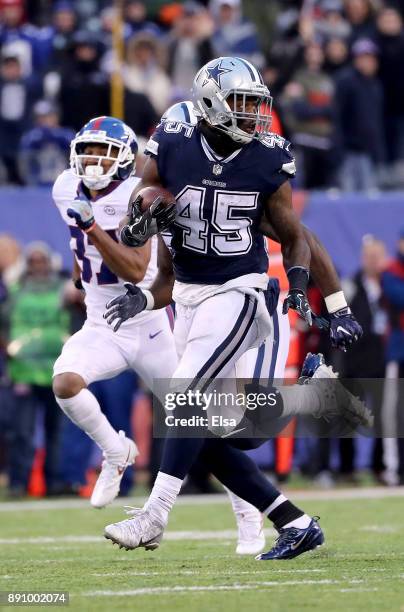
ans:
(217, 169)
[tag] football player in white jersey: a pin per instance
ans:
(92, 197)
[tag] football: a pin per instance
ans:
(149, 194)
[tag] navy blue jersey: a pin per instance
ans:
(215, 236)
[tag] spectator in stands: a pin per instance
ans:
(104, 26)
(38, 327)
(287, 47)
(364, 295)
(189, 46)
(360, 14)
(359, 98)
(235, 35)
(336, 54)
(366, 358)
(84, 90)
(391, 45)
(29, 42)
(9, 255)
(392, 411)
(332, 22)
(136, 18)
(143, 71)
(4, 263)
(13, 29)
(44, 150)
(17, 95)
(309, 114)
(11, 260)
(63, 29)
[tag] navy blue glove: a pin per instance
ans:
(82, 212)
(125, 306)
(297, 300)
(144, 225)
(344, 328)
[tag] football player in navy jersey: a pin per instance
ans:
(227, 173)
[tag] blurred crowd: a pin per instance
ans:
(333, 66)
(40, 308)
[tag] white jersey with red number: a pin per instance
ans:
(100, 284)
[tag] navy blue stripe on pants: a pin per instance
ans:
(179, 454)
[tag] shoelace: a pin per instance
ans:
(132, 510)
(135, 528)
(144, 519)
(286, 536)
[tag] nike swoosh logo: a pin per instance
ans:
(233, 432)
(122, 468)
(151, 336)
(344, 331)
(142, 543)
(294, 546)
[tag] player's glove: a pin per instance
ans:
(82, 212)
(344, 328)
(297, 298)
(144, 225)
(125, 306)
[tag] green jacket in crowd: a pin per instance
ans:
(38, 326)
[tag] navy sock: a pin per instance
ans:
(238, 472)
(181, 448)
(285, 513)
(179, 454)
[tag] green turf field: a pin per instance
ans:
(361, 567)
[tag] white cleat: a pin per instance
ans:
(338, 401)
(141, 531)
(251, 539)
(109, 481)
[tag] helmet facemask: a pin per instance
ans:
(244, 124)
(94, 175)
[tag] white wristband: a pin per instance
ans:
(149, 299)
(335, 301)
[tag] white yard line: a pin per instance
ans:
(357, 590)
(258, 585)
(380, 528)
(216, 587)
(170, 535)
(205, 573)
(203, 500)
